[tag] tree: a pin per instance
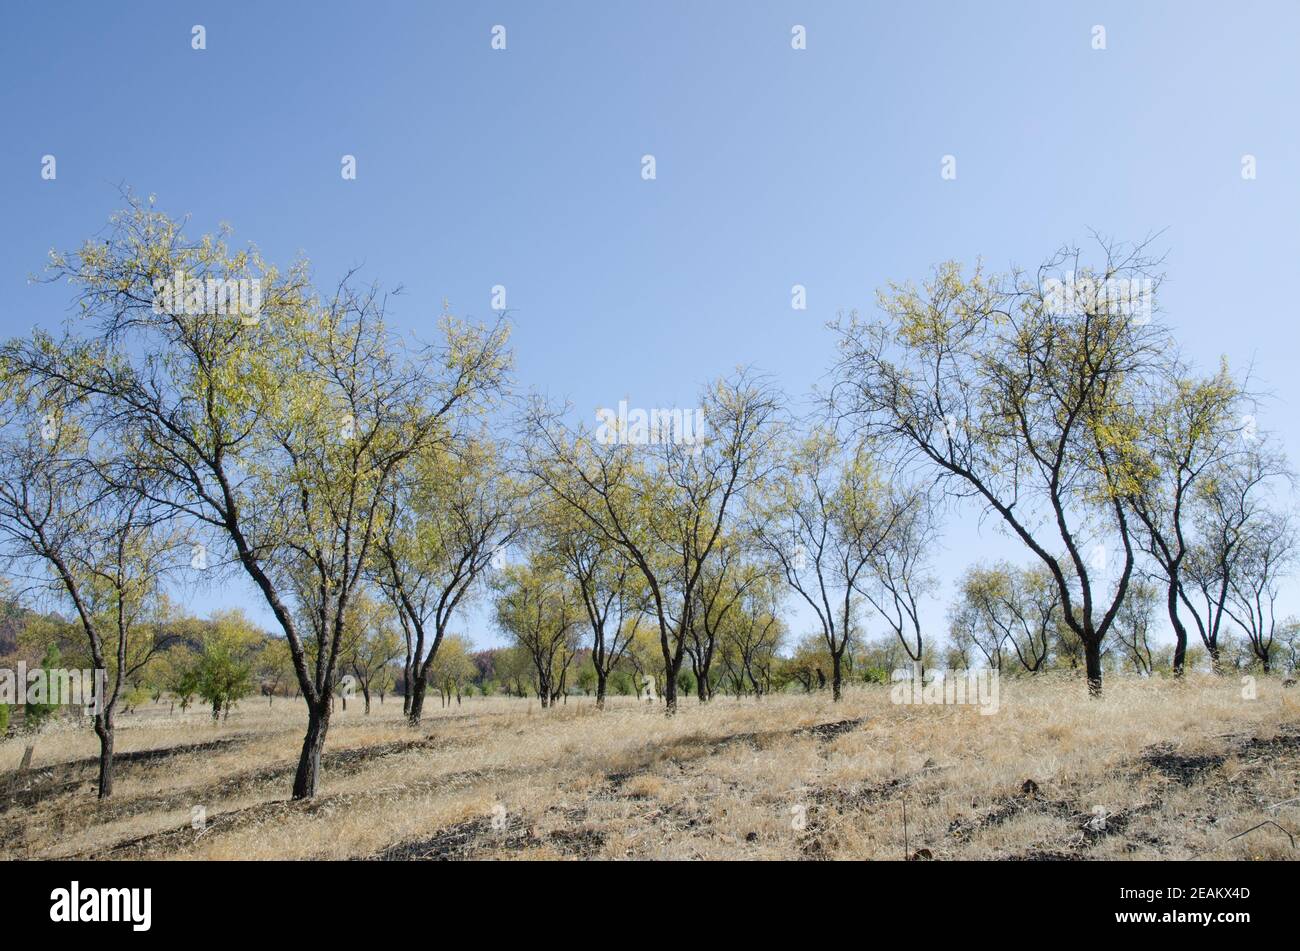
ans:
(825, 523)
(1232, 505)
(36, 711)
(808, 665)
(723, 585)
(513, 667)
(886, 654)
(277, 435)
(1288, 640)
(1018, 402)
(183, 675)
(606, 584)
(1005, 607)
(751, 638)
(100, 547)
(227, 653)
(1268, 555)
(453, 668)
(1190, 429)
(899, 576)
(536, 607)
(645, 658)
(976, 621)
(274, 667)
(450, 515)
(662, 501)
(374, 646)
(1133, 628)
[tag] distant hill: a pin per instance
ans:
(13, 618)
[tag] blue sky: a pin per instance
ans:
(522, 167)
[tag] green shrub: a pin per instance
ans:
(34, 714)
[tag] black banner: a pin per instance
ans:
(344, 900)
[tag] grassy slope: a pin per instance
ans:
(1152, 770)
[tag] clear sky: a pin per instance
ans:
(775, 166)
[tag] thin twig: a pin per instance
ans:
(906, 847)
(1266, 822)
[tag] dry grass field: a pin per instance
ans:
(1153, 770)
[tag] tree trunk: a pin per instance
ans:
(307, 779)
(1092, 661)
(837, 677)
(365, 692)
(414, 703)
(1180, 631)
(104, 730)
(601, 676)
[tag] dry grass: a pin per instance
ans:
(1153, 770)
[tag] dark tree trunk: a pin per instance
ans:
(307, 778)
(837, 677)
(1180, 631)
(601, 677)
(1092, 662)
(406, 686)
(104, 730)
(414, 705)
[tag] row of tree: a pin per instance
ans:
(222, 660)
(359, 479)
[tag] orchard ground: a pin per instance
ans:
(1154, 769)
